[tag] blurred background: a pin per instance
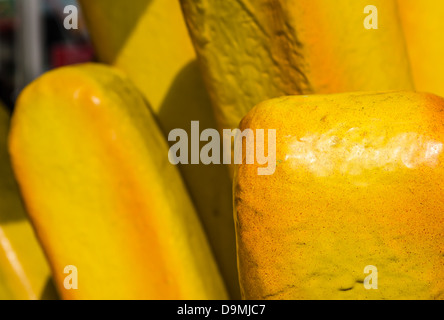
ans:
(34, 40)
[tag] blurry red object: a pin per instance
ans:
(66, 54)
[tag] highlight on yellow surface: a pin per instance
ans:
(149, 41)
(358, 184)
(24, 272)
(423, 24)
(251, 51)
(93, 169)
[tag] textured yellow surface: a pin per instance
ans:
(92, 167)
(24, 272)
(251, 51)
(149, 41)
(359, 181)
(423, 24)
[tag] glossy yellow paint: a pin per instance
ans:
(251, 51)
(358, 182)
(423, 24)
(149, 41)
(93, 169)
(24, 272)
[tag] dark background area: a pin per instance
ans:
(33, 40)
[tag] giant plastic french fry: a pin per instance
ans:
(93, 169)
(354, 209)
